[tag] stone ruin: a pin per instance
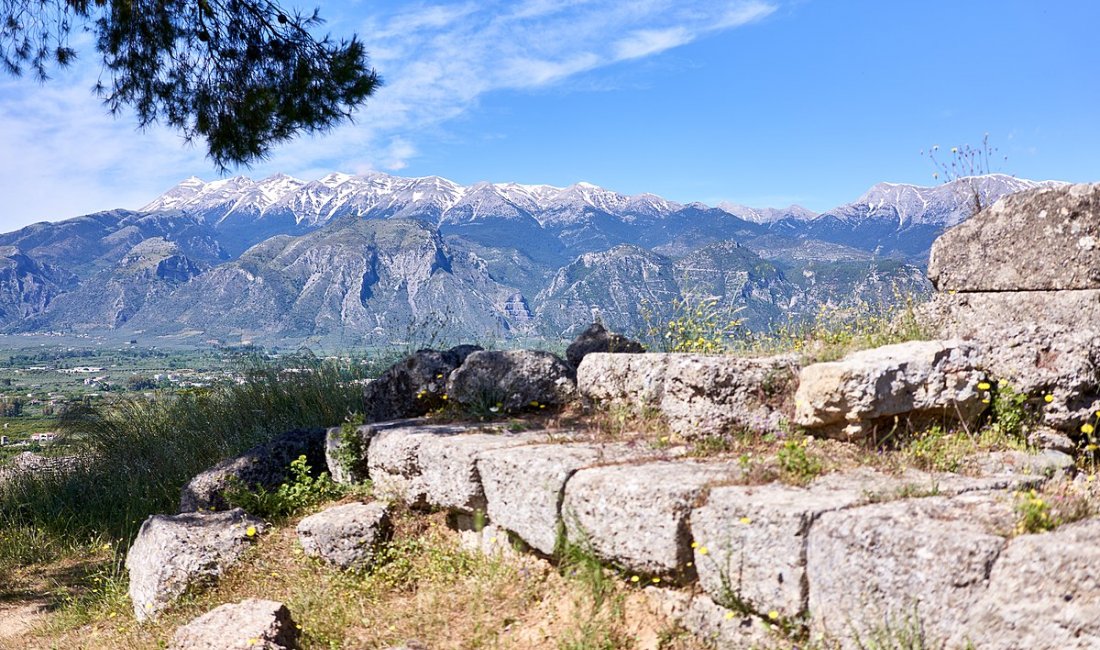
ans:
(845, 556)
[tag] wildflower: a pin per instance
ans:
(746, 520)
(534, 403)
(634, 578)
(695, 545)
(656, 581)
(985, 385)
(443, 396)
(250, 531)
(703, 550)
(1048, 398)
(729, 615)
(773, 615)
(1087, 428)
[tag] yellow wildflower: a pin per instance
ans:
(1087, 428)
(773, 615)
(250, 531)
(985, 385)
(746, 520)
(1048, 398)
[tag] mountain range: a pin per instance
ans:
(375, 259)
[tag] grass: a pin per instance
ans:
(840, 330)
(426, 586)
(139, 452)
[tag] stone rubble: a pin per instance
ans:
(346, 536)
(173, 553)
(251, 624)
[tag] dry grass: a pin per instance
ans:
(429, 589)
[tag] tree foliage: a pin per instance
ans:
(243, 74)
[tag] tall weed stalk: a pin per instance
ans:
(138, 452)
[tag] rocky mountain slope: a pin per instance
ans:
(370, 258)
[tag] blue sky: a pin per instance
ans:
(759, 102)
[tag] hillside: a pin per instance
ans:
(370, 259)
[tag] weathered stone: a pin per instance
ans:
(1038, 341)
(726, 629)
(637, 379)
(449, 475)
(1045, 464)
(266, 465)
(877, 487)
(491, 540)
(393, 458)
(597, 339)
(1051, 440)
(698, 395)
(346, 536)
(635, 516)
(514, 379)
(434, 465)
(346, 453)
(1044, 593)
(1043, 239)
(524, 486)
(863, 393)
(413, 386)
(172, 553)
(751, 543)
(891, 564)
(251, 624)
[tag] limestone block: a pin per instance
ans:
(172, 553)
(1039, 240)
(1044, 593)
(894, 564)
(524, 486)
(919, 381)
(251, 624)
(635, 516)
(346, 536)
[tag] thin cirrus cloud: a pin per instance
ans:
(64, 156)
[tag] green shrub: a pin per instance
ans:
(796, 465)
(302, 491)
(1033, 513)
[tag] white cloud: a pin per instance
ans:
(645, 42)
(61, 155)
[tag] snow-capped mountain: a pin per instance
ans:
(767, 215)
(365, 258)
(382, 195)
